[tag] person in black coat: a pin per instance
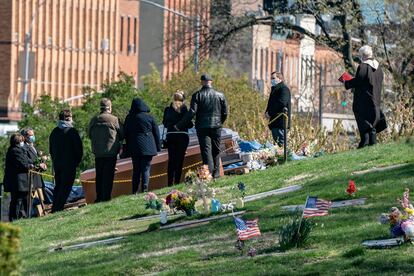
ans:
(143, 142)
(210, 110)
(66, 150)
(16, 179)
(367, 86)
(279, 99)
(29, 140)
(177, 139)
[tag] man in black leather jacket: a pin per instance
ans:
(210, 109)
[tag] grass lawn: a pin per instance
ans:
(334, 249)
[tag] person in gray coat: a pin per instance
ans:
(105, 132)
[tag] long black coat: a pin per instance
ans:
(367, 86)
(279, 99)
(172, 117)
(65, 147)
(32, 155)
(17, 165)
(141, 131)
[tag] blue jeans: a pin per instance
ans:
(141, 171)
(279, 136)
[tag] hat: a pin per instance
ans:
(105, 103)
(206, 77)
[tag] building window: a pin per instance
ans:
(135, 33)
(128, 33)
(121, 45)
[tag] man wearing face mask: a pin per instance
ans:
(66, 150)
(29, 140)
(279, 99)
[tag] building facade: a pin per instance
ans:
(78, 43)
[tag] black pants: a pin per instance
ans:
(368, 138)
(279, 136)
(105, 171)
(141, 171)
(209, 140)
(177, 145)
(64, 179)
(18, 205)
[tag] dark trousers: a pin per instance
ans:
(105, 171)
(177, 145)
(279, 136)
(368, 138)
(64, 179)
(209, 140)
(18, 205)
(141, 171)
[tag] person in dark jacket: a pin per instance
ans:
(210, 109)
(66, 150)
(279, 99)
(29, 140)
(143, 142)
(367, 86)
(105, 132)
(177, 139)
(16, 179)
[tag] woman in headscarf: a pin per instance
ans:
(143, 142)
(367, 86)
(177, 138)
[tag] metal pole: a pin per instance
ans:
(27, 39)
(197, 43)
(285, 122)
(321, 92)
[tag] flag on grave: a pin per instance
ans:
(247, 229)
(315, 207)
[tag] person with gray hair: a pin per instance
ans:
(367, 87)
(105, 132)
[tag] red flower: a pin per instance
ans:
(168, 199)
(351, 188)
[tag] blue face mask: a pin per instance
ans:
(32, 139)
(273, 82)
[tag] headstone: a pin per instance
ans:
(272, 193)
(335, 204)
(86, 244)
(383, 243)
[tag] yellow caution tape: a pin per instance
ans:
(277, 117)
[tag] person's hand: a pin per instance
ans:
(176, 128)
(43, 166)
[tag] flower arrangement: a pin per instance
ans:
(152, 201)
(242, 189)
(181, 201)
(351, 190)
(40, 163)
(401, 222)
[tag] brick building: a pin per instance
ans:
(77, 43)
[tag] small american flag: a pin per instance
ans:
(246, 229)
(315, 207)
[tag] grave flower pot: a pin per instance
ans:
(239, 203)
(163, 217)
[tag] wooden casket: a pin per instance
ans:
(158, 173)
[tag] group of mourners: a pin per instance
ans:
(106, 132)
(143, 141)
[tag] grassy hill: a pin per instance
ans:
(335, 246)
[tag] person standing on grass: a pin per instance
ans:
(15, 179)
(279, 99)
(177, 140)
(367, 86)
(66, 150)
(210, 110)
(143, 142)
(105, 132)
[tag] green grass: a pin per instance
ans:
(334, 248)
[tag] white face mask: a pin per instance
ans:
(21, 144)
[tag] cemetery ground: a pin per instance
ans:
(335, 245)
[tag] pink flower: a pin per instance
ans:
(150, 196)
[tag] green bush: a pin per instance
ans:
(9, 249)
(290, 235)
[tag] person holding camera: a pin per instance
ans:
(177, 139)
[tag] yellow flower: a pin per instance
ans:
(174, 196)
